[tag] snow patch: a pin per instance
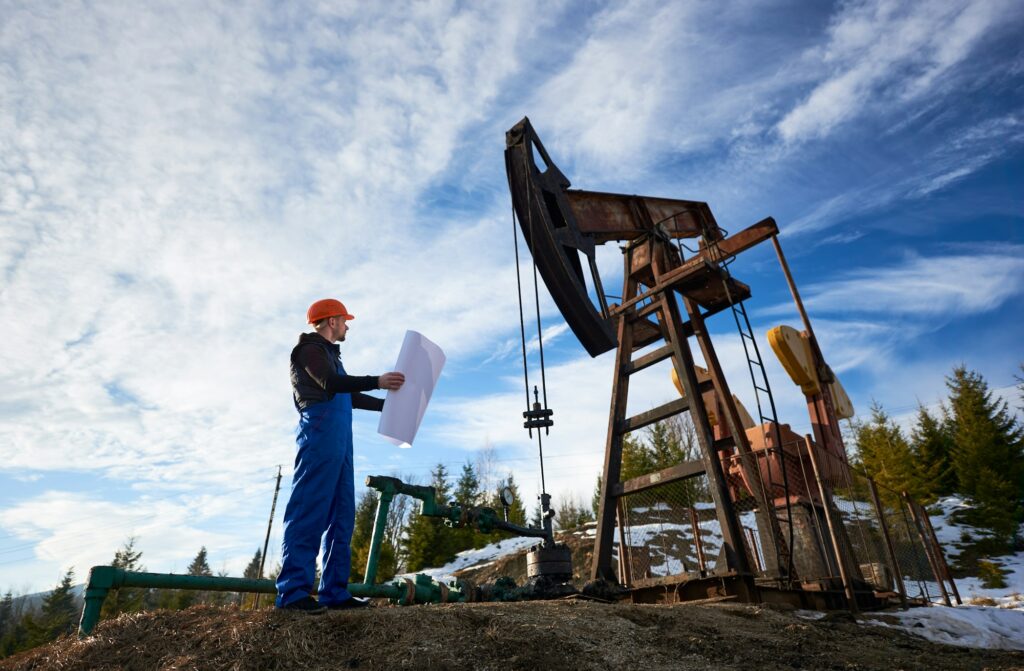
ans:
(969, 626)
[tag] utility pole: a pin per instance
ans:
(266, 541)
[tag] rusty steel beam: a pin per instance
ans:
(610, 217)
(687, 469)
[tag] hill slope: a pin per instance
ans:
(554, 634)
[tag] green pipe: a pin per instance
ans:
(379, 522)
(102, 579)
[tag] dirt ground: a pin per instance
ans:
(568, 634)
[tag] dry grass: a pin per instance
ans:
(551, 634)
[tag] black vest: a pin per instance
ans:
(305, 390)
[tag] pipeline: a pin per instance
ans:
(549, 565)
(402, 591)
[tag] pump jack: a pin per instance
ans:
(667, 297)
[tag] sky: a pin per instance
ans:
(179, 181)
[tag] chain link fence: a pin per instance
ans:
(803, 517)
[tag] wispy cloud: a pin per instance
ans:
(885, 52)
(968, 151)
(923, 286)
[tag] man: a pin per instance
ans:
(322, 502)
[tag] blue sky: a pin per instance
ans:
(178, 182)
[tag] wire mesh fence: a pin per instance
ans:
(803, 516)
(669, 530)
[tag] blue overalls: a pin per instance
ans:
(321, 505)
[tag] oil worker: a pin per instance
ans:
(322, 502)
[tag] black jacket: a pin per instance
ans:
(316, 376)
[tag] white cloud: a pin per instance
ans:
(955, 284)
(887, 52)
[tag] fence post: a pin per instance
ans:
(927, 550)
(698, 544)
(826, 501)
(940, 558)
(894, 564)
(625, 554)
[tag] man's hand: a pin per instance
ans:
(393, 381)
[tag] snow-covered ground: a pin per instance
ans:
(478, 557)
(977, 623)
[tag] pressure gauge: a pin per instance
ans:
(507, 498)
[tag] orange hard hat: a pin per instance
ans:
(327, 307)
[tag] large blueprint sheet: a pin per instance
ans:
(421, 361)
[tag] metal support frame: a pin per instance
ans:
(826, 503)
(894, 565)
(928, 552)
(648, 260)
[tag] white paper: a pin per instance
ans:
(421, 362)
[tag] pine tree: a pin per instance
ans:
(251, 572)
(200, 566)
(989, 455)
(252, 569)
(125, 599)
(467, 494)
(58, 616)
(884, 453)
(571, 513)
(932, 445)
(8, 621)
(1020, 386)
(517, 511)
(428, 541)
(637, 459)
(6, 612)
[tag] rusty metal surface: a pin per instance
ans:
(616, 217)
(554, 238)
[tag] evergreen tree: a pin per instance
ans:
(467, 494)
(595, 500)
(571, 513)
(58, 616)
(637, 459)
(428, 541)
(252, 569)
(12, 631)
(1020, 386)
(200, 566)
(125, 599)
(536, 518)
(884, 453)
(467, 489)
(6, 613)
(932, 445)
(989, 455)
(251, 572)
(517, 511)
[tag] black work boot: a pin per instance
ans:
(350, 603)
(306, 605)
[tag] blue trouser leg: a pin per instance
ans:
(318, 466)
(337, 554)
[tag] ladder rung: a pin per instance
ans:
(726, 443)
(648, 309)
(647, 360)
(687, 469)
(654, 415)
